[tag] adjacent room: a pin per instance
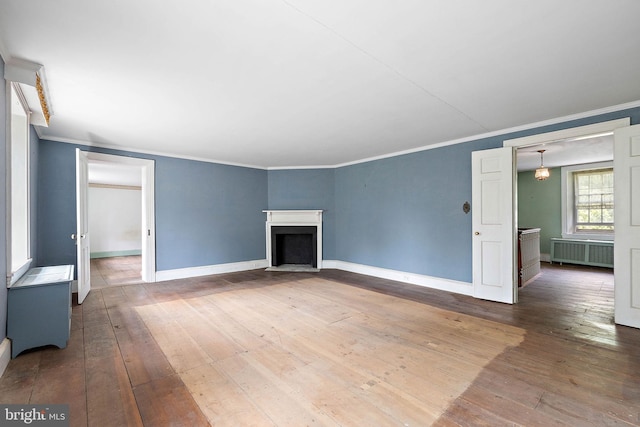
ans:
(333, 213)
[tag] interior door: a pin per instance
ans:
(493, 225)
(626, 164)
(82, 225)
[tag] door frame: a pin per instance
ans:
(607, 127)
(148, 234)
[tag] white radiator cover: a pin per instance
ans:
(597, 253)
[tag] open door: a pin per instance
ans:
(493, 224)
(626, 164)
(82, 227)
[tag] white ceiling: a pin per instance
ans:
(569, 152)
(275, 83)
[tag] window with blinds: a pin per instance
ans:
(593, 200)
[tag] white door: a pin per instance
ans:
(493, 225)
(626, 166)
(82, 228)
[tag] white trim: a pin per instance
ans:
(569, 133)
(277, 168)
(529, 126)
(14, 275)
(464, 288)
(558, 120)
(294, 218)
(207, 270)
(567, 197)
(147, 152)
(5, 355)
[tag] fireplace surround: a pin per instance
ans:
(294, 238)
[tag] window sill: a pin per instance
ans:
(18, 273)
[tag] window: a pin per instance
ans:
(18, 239)
(593, 200)
(588, 207)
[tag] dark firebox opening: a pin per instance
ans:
(294, 245)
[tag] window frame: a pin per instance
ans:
(17, 267)
(568, 203)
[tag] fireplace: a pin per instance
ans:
(294, 245)
(294, 239)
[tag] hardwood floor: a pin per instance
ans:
(115, 271)
(335, 348)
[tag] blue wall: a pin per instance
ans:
(402, 213)
(405, 213)
(56, 204)
(206, 213)
(307, 189)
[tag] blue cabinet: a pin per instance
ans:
(39, 308)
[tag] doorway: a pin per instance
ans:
(115, 223)
(123, 171)
(560, 141)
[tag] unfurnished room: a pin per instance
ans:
(294, 213)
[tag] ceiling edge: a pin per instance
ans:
(148, 152)
(475, 137)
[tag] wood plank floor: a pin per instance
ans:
(335, 348)
(115, 271)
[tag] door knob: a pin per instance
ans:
(477, 233)
(74, 237)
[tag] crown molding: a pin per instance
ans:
(563, 119)
(147, 152)
(505, 131)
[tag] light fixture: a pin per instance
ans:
(542, 173)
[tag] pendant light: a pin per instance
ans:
(542, 172)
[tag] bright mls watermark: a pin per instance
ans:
(34, 415)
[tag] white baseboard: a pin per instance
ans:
(206, 270)
(5, 354)
(458, 287)
(545, 257)
(464, 288)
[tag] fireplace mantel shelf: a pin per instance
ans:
(310, 217)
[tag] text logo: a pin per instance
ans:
(34, 415)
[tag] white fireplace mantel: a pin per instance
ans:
(311, 218)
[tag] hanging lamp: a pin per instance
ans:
(542, 172)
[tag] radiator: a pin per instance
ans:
(597, 253)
